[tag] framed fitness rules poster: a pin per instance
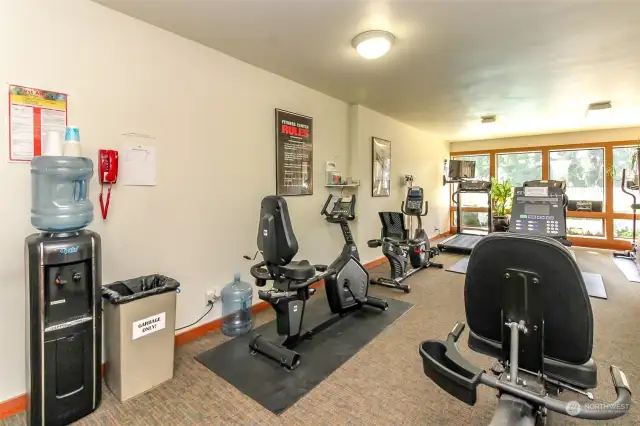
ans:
(294, 153)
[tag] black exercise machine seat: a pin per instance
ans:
(278, 243)
(298, 270)
(568, 321)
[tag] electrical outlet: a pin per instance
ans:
(211, 296)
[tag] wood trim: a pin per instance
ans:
(13, 406)
(600, 243)
(471, 209)
(492, 165)
(607, 216)
(545, 164)
(608, 192)
(622, 216)
(588, 215)
(375, 263)
(543, 148)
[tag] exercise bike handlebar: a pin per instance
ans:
(260, 273)
(589, 411)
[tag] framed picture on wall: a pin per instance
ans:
(294, 153)
(381, 167)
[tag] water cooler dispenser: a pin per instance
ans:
(63, 279)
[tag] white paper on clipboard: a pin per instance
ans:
(138, 166)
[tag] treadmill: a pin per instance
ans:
(462, 172)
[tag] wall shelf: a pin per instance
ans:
(347, 185)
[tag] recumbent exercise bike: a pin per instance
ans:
(346, 280)
(526, 305)
(399, 247)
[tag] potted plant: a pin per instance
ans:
(501, 196)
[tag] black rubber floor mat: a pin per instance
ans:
(276, 388)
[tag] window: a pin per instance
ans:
(585, 227)
(622, 160)
(520, 167)
(483, 172)
(623, 228)
(583, 170)
(472, 220)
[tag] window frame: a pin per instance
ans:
(609, 241)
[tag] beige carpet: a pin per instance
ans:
(384, 383)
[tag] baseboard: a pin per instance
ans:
(13, 406)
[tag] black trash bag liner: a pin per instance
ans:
(137, 288)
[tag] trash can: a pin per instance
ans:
(139, 333)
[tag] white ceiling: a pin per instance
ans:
(536, 64)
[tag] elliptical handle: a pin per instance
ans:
(426, 209)
(403, 210)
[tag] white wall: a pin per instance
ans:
(609, 135)
(412, 152)
(212, 117)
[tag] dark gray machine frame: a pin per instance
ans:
(346, 280)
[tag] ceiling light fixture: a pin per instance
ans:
(373, 44)
(598, 111)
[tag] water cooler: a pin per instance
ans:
(63, 279)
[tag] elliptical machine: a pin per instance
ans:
(627, 186)
(399, 248)
(346, 281)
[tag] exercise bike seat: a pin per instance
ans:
(299, 270)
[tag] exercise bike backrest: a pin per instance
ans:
(276, 239)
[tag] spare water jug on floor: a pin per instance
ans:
(237, 298)
(59, 191)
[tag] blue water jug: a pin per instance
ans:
(237, 298)
(59, 188)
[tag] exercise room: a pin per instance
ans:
(286, 212)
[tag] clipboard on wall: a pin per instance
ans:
(138, 162)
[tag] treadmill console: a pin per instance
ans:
(474, 186)
(414, 201)
(462, 169)
(538, 210)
